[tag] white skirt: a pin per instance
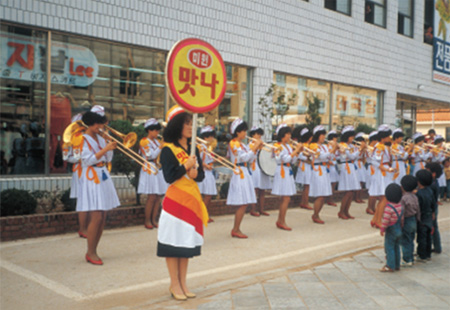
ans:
(208, 185)
(260, 179)
(241, 191)
(284, 186)
(303, 175)
(96, 197)
(320, 185)
(378, 183)
(361, 171)
(348, 181)
(442, 181)
(402, 169)
(368, 176)
(334, 175)
(152, 183)
(74, 185)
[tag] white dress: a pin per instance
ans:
(68, 155)
(241, 190)
(399, 162)
(380, 180)
(208, 185)
(360, 168)
(150, 183)
(283, 181)
(439, 158)
(304, 170)
(420, 157)
(349, 176)
(260, 179)
(334, 174)
(96, 190)
(368, 169)
(320, 185)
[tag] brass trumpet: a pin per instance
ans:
(222, 160)
(305, 149)
(266, 146)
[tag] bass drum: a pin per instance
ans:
(267, 163)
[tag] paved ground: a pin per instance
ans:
(315, 266)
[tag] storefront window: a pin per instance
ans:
(23, 101)
(302, 91)
(354, 105)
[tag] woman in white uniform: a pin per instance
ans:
(439, 157)
(332, 170)
(348, 178)
(419, 154)
(304, 169)
(208, 186)
(261, 181)
(283, 181)
(320, 186)
(241, 191)
(96, 192)
(151, 180)
(360, 168)
(399, 155)
(370, 170)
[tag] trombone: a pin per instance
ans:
(358, 143)
(435, 148)
(222, 160)
(266, 146)
(305, 149)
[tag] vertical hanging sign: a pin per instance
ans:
(441, 42)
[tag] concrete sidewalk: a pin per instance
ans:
(50, 272)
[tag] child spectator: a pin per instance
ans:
(410, 204)
(436, 172)
(427, 206)
(391, 225)
(446, 164)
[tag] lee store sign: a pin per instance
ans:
(24, 58)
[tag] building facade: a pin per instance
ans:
(366, 62)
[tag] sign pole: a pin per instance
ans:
(194, 133)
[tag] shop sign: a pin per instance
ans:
(24, 58)
(347, 104)
(196, 75)
(441, 44)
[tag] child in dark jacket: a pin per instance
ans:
(427, 206)
(436, 172)
(391, 227)
(410, 203)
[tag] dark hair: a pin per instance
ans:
(296, 132)
(345, 136)
(424, 177)
(304, 138)
(409, 183)
(331, 136)
(317, 135)
(384, 134)
(283, 131)
(437, 141)
(243, 126)
(258, 131)
(397, 135)
(431, 131)
(374, 138)
(91, 118)
(153, 127)
(360, 139)
(419, 139)
(393, 193)
(208, 134)
(174, 128)
(434, 168)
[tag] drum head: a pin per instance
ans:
(267, 163)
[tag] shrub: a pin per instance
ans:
(70, 204)
(17, 202)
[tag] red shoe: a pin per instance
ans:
(148, 226)
(360, 201)
(439, 203)
(350, 217)
(81, 234)
(237, 235)
(264, 213)
(94, 262)
(318, 221)
(283, 227)
(210, 220)
(306, 207)
(332, 204)
(155, 225)
(368, 211)
(341, 216)
(252, 213)
(372, 224)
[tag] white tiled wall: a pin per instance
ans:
(292, 36)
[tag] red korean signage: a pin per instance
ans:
(196, 75)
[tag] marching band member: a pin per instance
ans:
(348, 178)
(439, 157)
(399, 155)
(304, 169)
(151, 182)
(96, 192)
(334, 174)
(261, 181)
(382, 177)
(283, 182)
(360, 169)
(429, 138)
(320, 186)
(241, 191)
(71, 155)
(184, 215)
(208, 186)
(419, 154)
(370, 170)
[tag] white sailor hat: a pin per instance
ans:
(417, 135)
(235, 124)
(150, 122)
(397, 130)
(77, 117)
(332, 132)
(318, 128)
(98, 109)
(348, 128)
(304, 131)
(373, 133)
(206, 128)
(359, 135)
(255, 128)
(438, 137)
(282, 125)
(383, 128)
